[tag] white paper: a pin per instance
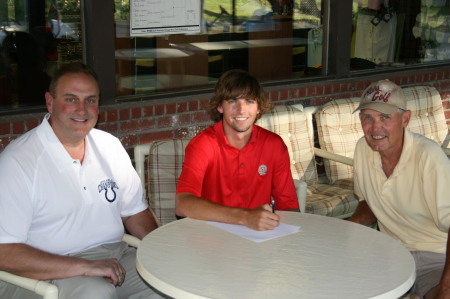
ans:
(254, 235)
(163, 17)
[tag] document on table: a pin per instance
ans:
(254, 235)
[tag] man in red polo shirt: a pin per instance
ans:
(233, 169)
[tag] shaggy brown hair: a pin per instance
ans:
(236, 84)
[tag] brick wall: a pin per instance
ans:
(146, 121)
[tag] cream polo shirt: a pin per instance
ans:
(413, 204)
(52, 202)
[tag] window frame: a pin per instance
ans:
(99, 48)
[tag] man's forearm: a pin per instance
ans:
(363, 215)
(259, 218)
(23, 260)
(188, 205)
(140, 224)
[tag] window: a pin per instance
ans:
(273, 40)
(36, 36)
(398, 33)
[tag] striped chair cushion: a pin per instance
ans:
(164, 164)
(330, 200)
(339, 129)
(427, 113)
(295, 128)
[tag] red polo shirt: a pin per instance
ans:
(247, 178)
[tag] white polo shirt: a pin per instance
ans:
(413, 204)
(54, 203)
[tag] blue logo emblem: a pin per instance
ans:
(108, 186)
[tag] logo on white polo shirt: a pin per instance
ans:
(108, 186)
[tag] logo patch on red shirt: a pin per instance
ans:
(262, 169)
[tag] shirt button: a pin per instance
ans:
(84, 187)
(242, 164)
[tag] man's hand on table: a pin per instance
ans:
(262, 218)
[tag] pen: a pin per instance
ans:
(272, 204)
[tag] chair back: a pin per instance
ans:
(159, 165)
(427, 113)
(339, 129)
(295, 127)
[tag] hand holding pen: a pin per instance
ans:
(262, 217)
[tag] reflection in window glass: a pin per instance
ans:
(272, 39)
(391, 33)
(35, 38)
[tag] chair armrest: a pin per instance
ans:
(46, 289)
(332, 156)
(43, 288)
(301, 188)
(131, 240)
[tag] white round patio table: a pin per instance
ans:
(326, 258)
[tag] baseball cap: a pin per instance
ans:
(383, 96)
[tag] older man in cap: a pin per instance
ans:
(402, 179)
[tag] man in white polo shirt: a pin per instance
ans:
(402, 179)
(68, 191)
